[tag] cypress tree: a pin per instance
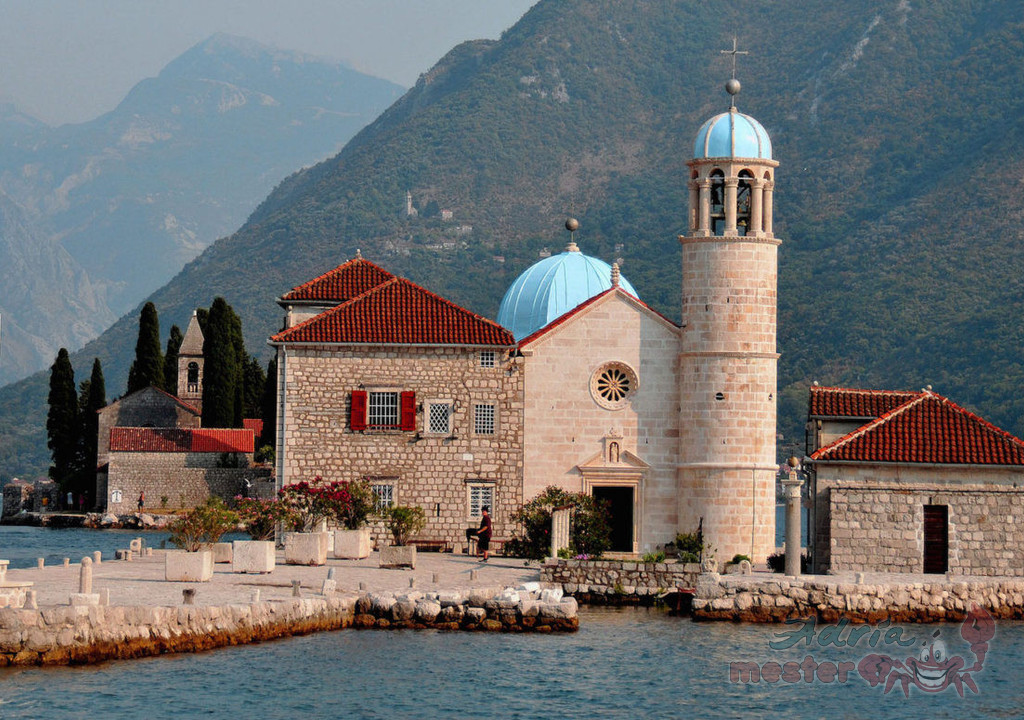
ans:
(254, 380)
(174, 341)
(148, 367)
(220, 367)
(269, 405)
(92, 398)
(241, 361)
(62, 426)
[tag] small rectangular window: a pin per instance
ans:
(480, 496)
(382, 411)
(483, 419)
(384, 496)
(440, 418)
(488, 358)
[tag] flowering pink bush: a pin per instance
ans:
(306, 504)
(260, 517)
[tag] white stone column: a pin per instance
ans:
(705, 208)
(730, 205)
(559, 529)
(85, 576)
(769, 186)
(756, 190)
(694, 206)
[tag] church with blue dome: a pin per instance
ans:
(578, 383)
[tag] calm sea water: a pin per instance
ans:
(624, 663)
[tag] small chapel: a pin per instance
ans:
(578, 383)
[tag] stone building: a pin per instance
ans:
(911, 482)
(579, 384)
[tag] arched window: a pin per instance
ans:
(717, 215)
(743, 202)
(193, 377)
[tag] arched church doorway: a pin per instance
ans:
(620, 501)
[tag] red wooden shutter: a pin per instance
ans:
(357, 413)
(408, 410)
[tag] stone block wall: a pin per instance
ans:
(145, 408)
(432, 471)
(187, 479)
(873, 520)
(617, 581)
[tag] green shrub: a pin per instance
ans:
(777, 562)
(589, 532)
(202, 525)
(404, 521)
(653, 557)
(692, 543)
(738, 558)
(688, 557)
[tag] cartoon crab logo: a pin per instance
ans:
(934, 670)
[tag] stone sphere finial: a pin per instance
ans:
(572, 224)
(732, 86)
(793, 462)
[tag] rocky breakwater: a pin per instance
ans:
(530, 608)
(619, 582)
(760, 598)
(76, 635)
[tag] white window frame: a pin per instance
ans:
(484, 495)
(383, 493)
(393, 398)
(430, 405)
(477, 419)
(488, 358)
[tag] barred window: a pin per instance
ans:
(483, 419)
(383, 409)
(488, 358)
(384, 495)
(440, 418)
(479, 496)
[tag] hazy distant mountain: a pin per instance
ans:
(897, 126)
(183, 159)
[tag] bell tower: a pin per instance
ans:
(728, 359)
(190, 365)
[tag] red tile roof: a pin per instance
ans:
(928, 428)
(398, 312)
(835, 402)
(344, 282)
(537, 334)
(254, 424)
(135, 439)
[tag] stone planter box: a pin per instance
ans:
(183, 566)
(352, 544)
(253, 556)
(222, 552)
(306, 548)
(398, 556)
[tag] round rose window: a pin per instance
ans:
(612, 384)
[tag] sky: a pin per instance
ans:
(67, 61)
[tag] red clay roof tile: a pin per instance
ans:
(135, 439)
(927, 429)
(343, 283)
(398, 312)
(848, 403)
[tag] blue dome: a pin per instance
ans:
(732, 134)
(552, 287)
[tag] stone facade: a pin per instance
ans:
(618, 581)
(435, 471)
(149, 407)
(186, 479)
(572, 440)
(872, 519)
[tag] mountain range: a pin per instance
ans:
(896, 125)
(114, 207)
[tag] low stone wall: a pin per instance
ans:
(755, 599)
(619, 582)
(87, 634)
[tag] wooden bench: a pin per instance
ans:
(442, 546)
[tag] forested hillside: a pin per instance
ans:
(898, 199)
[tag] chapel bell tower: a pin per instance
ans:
(727, 363)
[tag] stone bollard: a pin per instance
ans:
(330, 573)
(255, 596)
(472, 574)
(859, 578)
(362, 586)
(296, 588)
(435, 578)
(67, 562)
(329, 586)
(85, 577)
(30, 601)
(97, 557)
(412, 582)
(40, 562)
(188, 596)
(149, 552)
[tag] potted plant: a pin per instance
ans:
(306, 509)
(260, 518)
(403, 521)
(351, 504)
(194, 533)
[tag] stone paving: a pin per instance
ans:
(141, 580)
